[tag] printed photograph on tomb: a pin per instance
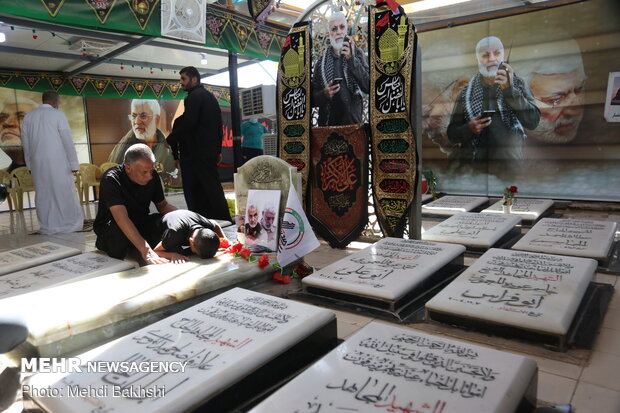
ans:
(551, 139)
(612, 101)
(240, 223)
(15, 104)
(339, 58)
(261, 220)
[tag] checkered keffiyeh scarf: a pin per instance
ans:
(473, 98)
(327, 71)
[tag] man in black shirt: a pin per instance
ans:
(197, 135)
(123, 219)
(186, 228)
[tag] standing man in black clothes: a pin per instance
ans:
(185, 228)
(123, 218)
(197, 135)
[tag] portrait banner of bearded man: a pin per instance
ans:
(145, 116)
(556, 76)
(492, 112)
(13, 109)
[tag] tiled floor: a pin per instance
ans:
(590, 387)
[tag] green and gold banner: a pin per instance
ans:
(102, 86)
(127, 16)
(226, 29)
(293, 99)
(391, 49)
(238, 33)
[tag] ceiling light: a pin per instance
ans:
(429, 4)
(2, 37)
(203, 60)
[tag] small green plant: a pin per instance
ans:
(431, 179)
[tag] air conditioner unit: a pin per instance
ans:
(258, 101)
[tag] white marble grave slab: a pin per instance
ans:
(535, 292)
(527, 209)
(472, 229)
(95, 308)
(387, 270)
(33, 255)
(384, 368)
(576, 237)
(221, 340)
(453, 204)
(90, 264)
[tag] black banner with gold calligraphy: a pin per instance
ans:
(391, 50)
(259, 9)
(338, 191)
(293, 98)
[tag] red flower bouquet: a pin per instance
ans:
(508, 197)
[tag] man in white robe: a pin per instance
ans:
(50, 156)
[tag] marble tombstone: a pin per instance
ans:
(530, 210)
(79, 315)
(532, 295)
(388, 274)
(475, 231)
(384, 368)
(211, 346)
(33, 255)
(265, 172)
(576, 237)
(90, 264)
(453, 204)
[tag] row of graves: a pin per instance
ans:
(194, 336)
(114, 350)
(528, 209)
(178, 338)
(537, 286)
(211, 343)
(238, 350)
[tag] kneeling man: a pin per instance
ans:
(123, 219)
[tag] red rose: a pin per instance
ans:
(263, 261)
(284, 279)
(303, 270)
(236, 247)
(245, 253)
(224, 243)
(513, 189)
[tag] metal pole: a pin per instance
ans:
(415, 212)
(235, 111)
